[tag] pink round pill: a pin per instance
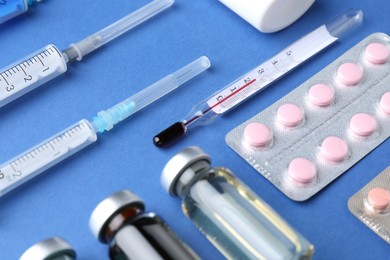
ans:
(321, 95)
(257, 134)
(334, 149)
(289, 115)
(349, 73)
(363, 124)
(377, 53)
(385, 103)
(379, 198)
(302, 170)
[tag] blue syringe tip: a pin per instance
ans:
(105, 120)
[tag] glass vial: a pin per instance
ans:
(120, 220)
(228, 213)
(50, 249)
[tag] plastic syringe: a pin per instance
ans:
(262, 76)
(71, 140)
(12, 8)
(48, 62)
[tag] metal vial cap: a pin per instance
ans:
(108, 208)
(178, 164)
(49, 249)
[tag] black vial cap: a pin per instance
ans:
(169, 135)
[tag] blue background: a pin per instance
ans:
(59, 202)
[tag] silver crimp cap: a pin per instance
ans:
(108, 208)
(179, 164)
(49, 249)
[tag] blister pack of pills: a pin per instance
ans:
(319, 130)
(372, 205)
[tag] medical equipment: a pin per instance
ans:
(48, 62)
(69, 141)
(262, 76)
(54, 248)
(12, 8)
(131, 233)
(232, 217)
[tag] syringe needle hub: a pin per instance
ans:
(78, 50)
(105, 120)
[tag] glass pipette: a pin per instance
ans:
(12, 8)
(48, 62)
(262, 76)
(71, 140)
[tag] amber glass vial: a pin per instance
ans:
(120, 221)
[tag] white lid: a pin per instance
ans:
(178, 164)
(108, 208)
(49, 249)
(269, 15)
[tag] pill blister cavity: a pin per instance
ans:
(257, 135)
(321, 95)
(334, 149)
(289, 115)
(349, 74)
(363, 124)
(379, 198)
(302, 170)
(385, 103)
(377, 53)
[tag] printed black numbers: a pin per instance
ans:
(10, 88)
(27, 78)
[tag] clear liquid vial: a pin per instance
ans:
(228, 213)
(54, 248)
(120, 220)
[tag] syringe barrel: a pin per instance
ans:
(30, 72)
(12, 8)
(44, 155)
(116, 29)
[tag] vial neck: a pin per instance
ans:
(191, 175)
(119, 220)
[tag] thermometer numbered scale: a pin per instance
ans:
(261, 77)
(268, 72)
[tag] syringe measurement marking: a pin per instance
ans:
(5, 79)
(50, 145)
(26, 64)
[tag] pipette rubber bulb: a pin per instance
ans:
(169, 135)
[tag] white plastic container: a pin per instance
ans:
(269, 15)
